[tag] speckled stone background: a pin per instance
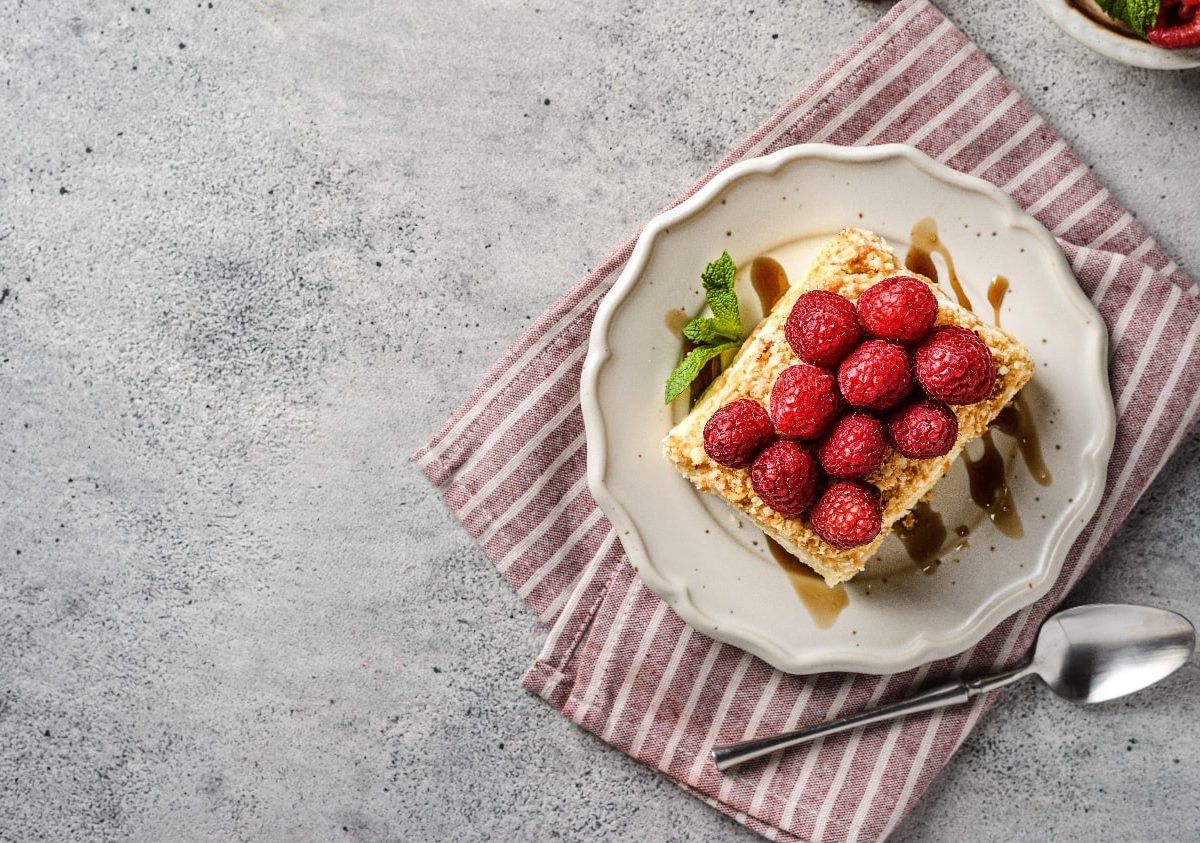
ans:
(252, 254)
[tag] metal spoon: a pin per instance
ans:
(1088, 654)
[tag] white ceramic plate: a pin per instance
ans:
(1086, 23)
(689, 548)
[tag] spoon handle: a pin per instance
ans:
(955, 693)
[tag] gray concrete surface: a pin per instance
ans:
(252, 254)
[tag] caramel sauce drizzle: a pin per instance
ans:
(824, 604)
(923, 534)
(675, 319)
(1016, 420)
(997, 290)
(926, 244)
(990, 490)
(770, 282)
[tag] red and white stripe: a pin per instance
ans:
(617, 660)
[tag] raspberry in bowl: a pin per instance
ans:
(1166, 44)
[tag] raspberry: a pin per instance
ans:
(822, 328)
(804, 401)
(923, 429)
(784, 476)
(847, 515)
(875, 376)
(736, 432)
(854, 448)
(953, 365)
(1167, 33)
(900, 308)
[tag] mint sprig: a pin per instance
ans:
(717, 279)
(712, 335)
(690, 367)
(1138, 15)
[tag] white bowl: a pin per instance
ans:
(1086, 23)
(686, 546)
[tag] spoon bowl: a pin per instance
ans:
(1098, 652)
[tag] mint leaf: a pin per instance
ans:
(691, 365)
(703, 331)
(718, 289)
(1138, 15)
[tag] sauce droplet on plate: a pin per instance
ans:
(997, 290)
(824, 604)
(1016, 420)
(989, 488)
(769, 280)
(923, 536)
(675, 319)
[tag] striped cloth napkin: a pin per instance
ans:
(510, 464)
